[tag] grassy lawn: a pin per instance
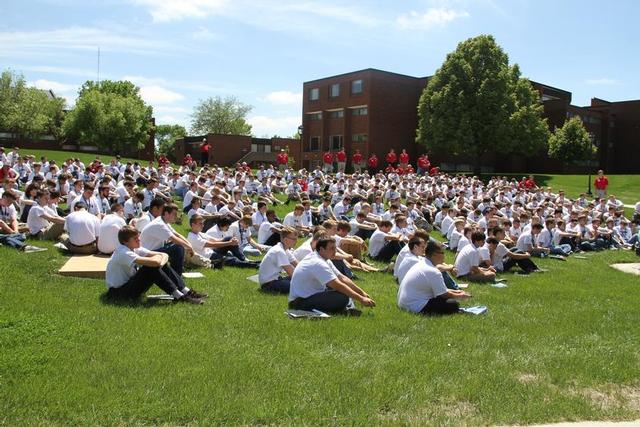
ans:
(562, 345)
(61, 156)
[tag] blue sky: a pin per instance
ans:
(180, 51)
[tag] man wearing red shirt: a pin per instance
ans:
(204, 152)
(530, 183)
(6, 172)
(282, 159)
(404, 159)
(434, 171)
(391, 157)
(372, 163)
(423, 164)
(327, 160)
(356, 161)
(341, 158)
(601, 183)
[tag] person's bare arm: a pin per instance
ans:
(342, 287)
(154, 259)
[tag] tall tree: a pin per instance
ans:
(26, 110)
(223, 116)
(167, 135)
(571, 143)
(476, 103)
(111, 116)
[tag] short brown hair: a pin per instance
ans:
(126, 233)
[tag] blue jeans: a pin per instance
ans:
(15, 240)
(279, 286)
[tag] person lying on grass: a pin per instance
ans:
(132, 270)
(422, 290)
(317, 285)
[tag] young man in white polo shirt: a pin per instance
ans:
(159, 236)
(417, 247)
(132, 270)
(89, 200)
(83, 229)
(317, 285)
(468, 261)
(43, 222)
(9, 222)
(109, 228)
(383, 245)
(423, 290)
(279, 258)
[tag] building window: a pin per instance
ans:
(359, 137)
(362, 111)
(315, 116)
(314, 94)
(314, 143)
(336, 142)
(356, 87)
(334, 90)
(337, 114)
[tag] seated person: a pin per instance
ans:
(417, 246)
(423, 291)
(317, 285)
(42, 221)
(503, 259)
(468, 261)
(529, 242)
(9, 234)
(269, 232)
(279, 258)
(132, 270)
(218, 250)
(83, 229)
(241, 230)
(383, 245)
(109, 228)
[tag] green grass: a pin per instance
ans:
(556, 346)
(61, 156)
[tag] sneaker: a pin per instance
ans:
(217, 263)
(190, 300)
(195, 294)
(352, 312)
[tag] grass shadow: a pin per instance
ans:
(141, 302)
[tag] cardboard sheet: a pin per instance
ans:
(89, 266)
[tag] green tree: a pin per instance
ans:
(222, 116)
(28, 111)
(476, 103)
(571, 143)
(167, 135)
(111, 116)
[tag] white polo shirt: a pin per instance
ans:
(467, 258)
(273, 263)
(132, 209)
(403, 253)
(199, 241)
(311, 276)
(143, 221)
(35, 222)
(408, 262)
(499, 256)
(109, 228)
(8, 213)
(376, 242)
(303, 250)
(155, 234)
(524, 241)
(421, 283)
(291, 220)
(121, 266)
(83, 227)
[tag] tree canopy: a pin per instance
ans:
(26, 110)
(222, 116)
(166, 136)
(476, 102)
(110, 115)
(571, 143)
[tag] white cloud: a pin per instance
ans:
(56, 87)
(347, 14)
(153, 94)
(171, 120)
(434, 17)
(283, 97)
(282, 126)
(52, 42)
(205, 34)
(602, 82)
(174, 10)
(68, 71)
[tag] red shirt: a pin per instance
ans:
(356, 158)
(9, 174)
(601, 183)
(391, 157)
(404, 158)
(282, 158)
(434, 171)
(204, 148)
(529, 183)
(327, 157)
(341, 156)
(187, 160)
(410, 169)
(423, 162)
(372, 162)
(390, 169)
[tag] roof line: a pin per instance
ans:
(363, 70)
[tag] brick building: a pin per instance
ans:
(374, 110)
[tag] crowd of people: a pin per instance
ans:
(376, 219)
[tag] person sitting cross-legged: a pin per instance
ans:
(384, 245)
(279, 258)
(422, 290)
(317, 285)
(468, 261)
(83, 229)
(132, 270)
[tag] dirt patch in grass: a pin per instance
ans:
(528, 378)
(613, 396)
(449, 412)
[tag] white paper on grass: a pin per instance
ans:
(161, 297)
(301, 314)
(254, 279)
(478, 309)
(192, 275)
